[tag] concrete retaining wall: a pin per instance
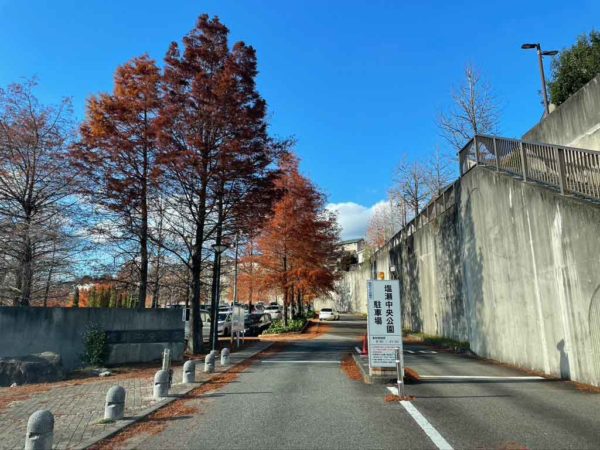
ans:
(136, 336)
(575, 123)
(512, 267)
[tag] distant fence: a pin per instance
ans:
(570, 170)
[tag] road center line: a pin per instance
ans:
(429, 430)
(300, 362)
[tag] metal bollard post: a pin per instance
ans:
(209, 363)
(166, 361)
(225, 356)
(400, 371)
(161, 384)
(189, 372)
(114, 407)
(214, 354)
(40, 431)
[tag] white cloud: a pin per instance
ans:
(354, 218)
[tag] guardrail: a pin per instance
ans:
(570, 170)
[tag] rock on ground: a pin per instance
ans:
(36, 368)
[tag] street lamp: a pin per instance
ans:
(218, 249)
(541, 55)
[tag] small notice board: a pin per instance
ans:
(237, 319)
(385, 322)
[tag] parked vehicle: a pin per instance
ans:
(224, 323)
(328, 314)
(258, 307)
(257, 323)
(205, 318)
(274, 311)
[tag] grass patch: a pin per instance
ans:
(441, 342)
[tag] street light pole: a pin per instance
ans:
(541, 55)
(218, 249)
(235, 271)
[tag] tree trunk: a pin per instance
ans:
(195, 338)
(27, 272)
(144, 237)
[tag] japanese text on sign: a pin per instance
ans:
(385, 322)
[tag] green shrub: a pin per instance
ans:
(278, 327)
(95, 343)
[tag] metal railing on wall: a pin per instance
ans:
(438, 205)
(570, 170)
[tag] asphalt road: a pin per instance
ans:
(299, 398)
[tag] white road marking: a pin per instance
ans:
(410, 351)
(431, 352)
(429, 430)
(476, 377)
(300, 362)
(358, 349)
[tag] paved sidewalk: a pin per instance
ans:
(78, 405)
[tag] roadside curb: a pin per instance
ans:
(122, 424)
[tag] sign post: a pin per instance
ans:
(384, 325)
(237, 323)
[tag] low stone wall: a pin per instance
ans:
(133, 335)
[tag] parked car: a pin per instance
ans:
(274, 311)
(258, 307)
(224, 323)
(205, 318)
(328, 314)
(256, 323)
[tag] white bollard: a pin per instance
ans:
(225, 356)
(189, 372)
(40, 431)
(114, 407)
(209, 363)
(161, 384)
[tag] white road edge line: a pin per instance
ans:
(358, 350)
(476, 377)
(300, 362)
(429, 430)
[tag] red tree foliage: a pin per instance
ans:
(297, 249)
(216, 151)
(118, 154)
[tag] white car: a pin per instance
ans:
(328, 314)
(224, 324)
(274, 311)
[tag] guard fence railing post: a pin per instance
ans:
(560, 165)
(523, 160)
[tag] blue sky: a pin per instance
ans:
(357, 83)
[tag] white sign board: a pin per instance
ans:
(385, 322)
(237, 319)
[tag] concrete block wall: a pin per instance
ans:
(575, 123)
(512, 267)
(26, 330)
